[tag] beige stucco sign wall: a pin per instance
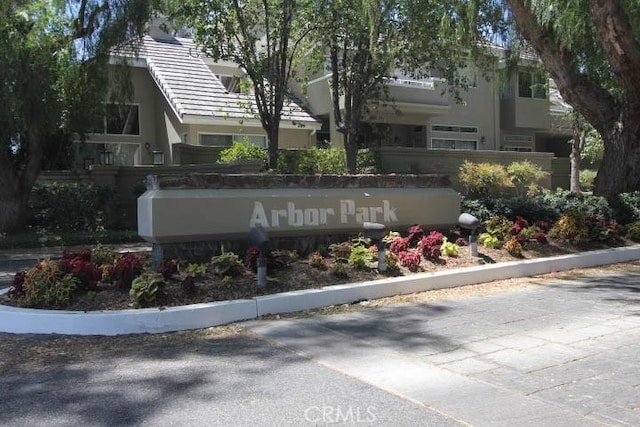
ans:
(183, 215)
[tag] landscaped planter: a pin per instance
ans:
(155, 320)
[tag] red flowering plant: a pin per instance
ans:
(416, 233)
(167, 268)
(251, 258)
(127, 268)
(544, 225)
(79, 265)
(399, 244)
(410, 260)
(17, 287)
(519, 225)
(541, 237)
(430, 245)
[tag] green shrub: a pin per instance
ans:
(359, 256)
(103, 255)
(484, 180)
(391, 260)
(196, 270)
(499, 226)
(449, 249)
(561, 201)
(322, 160)
(478, 208)
(339, 270)
(525, 176)
(572, 226)
(626, 207)
(146, 288)
(587, 178)
(44, 286)
(71, 206)
(316, 260)
(244, 150)
(340, 251)
(513, 247)
(488, 241)
(282, 258)
(367, 162)
(633, 231)
(227, 264)
(312, 161)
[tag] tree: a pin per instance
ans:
(367, 42)
(579, 130)
(262, 37)
(361, 43)
(586, 144)
(53, 57)
(591, 50)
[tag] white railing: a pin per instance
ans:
(426, 84)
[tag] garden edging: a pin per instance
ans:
(169, 319)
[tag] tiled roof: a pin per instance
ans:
(192, 88)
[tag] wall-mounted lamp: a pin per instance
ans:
(106, 158)
(158, 157)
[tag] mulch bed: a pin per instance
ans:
(297, 276)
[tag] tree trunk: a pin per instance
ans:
(574, 184)
(577, 146)
(272, 137)
(619, 171)
(13, 210)
(351, 151)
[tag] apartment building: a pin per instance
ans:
(188, 107)
(184, 108)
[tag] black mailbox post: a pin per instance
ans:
(258, 237)
(375, 231)
(471, 223)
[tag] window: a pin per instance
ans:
(231, 83)
(122, 119)
(532, 85)
(221, 140)
(456, 138)
(518, 149)
(459, 129)
(453, 144)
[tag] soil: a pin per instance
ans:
(298, 275)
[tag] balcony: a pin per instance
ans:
(529, 113)
(412, 100)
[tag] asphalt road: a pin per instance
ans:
(555, 353)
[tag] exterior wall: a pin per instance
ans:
(129, 181)
(480, 108)
(143, 96)
(403, 160)
(289, 138)
(169, 128)
(160, 128)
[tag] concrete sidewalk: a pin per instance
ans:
(562, 354)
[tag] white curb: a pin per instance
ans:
(21, 320)
(149, 320)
